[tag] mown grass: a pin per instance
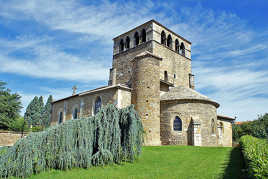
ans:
(165, 162)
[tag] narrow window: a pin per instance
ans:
(165, 76)
(60, 117)
(163, 38)
(97, 105)
(169, 41)
(121, 45)
(177, 124)
(182, 49)
(137, 38)
(75, 113)
(177, 46)
(174, 75)
(212, 126)
(127, 42)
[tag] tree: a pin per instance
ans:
(33, 114)
(10, 106)
(46, 114)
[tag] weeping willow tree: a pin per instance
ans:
(112, 135)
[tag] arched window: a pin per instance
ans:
(143, 35)
(177, 46)
(127, 42)
(137, 38)
(182, 47)
(60, 117)
(221, 127)
(97, 105)
(177, 124)
(165, 76)
(169, 41)
(75, 113)
(163, 38)
(212, 126)
(121, 45)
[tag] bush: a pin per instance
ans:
(18, 125)
(112, 135)
(255, 153)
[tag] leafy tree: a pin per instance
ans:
(18, 125)
(10, 106)
(33, 112)
(46, 114)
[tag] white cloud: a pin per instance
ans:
(49, 62)
(225, 48)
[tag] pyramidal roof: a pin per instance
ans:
(182, 93)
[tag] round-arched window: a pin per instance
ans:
(60, 117)
(177, 124)
(97, 105)
(212, 126)
(75, 113)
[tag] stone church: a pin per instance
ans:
(152, 70)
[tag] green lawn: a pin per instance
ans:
(165, 162)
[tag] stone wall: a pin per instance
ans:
(227, 136)
(185, 110)
(122, 62)
(174, 64)
(9, 138)
(85, 103)
(145, 96)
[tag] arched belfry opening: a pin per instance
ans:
(121, 45)
(136, 38)
(163, 38)
(143, 35)
(169, 41)
(182, 48)
(127, 42)
(177, 46)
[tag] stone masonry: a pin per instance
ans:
(152, 69)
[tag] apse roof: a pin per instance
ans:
(182, 93)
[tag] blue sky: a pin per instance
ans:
(46, 47)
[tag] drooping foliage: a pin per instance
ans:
(10, 106)
(46, 113)
(112, 135)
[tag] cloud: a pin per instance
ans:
(228, 54)
(49, 62)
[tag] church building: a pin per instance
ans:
(152, 70)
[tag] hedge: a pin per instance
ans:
(112, 135)
(255, 153)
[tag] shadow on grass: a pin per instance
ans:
(235, 165)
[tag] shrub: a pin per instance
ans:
(255, 153)
(112, 135)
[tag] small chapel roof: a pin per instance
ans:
(182, 93)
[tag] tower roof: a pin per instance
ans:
(182, 93)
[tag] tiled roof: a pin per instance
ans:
(182, 93)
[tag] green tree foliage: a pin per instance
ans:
(33, 112)
(10, 106)
(112, 135)
(37, 114)
(257, 128)
(19, 125)
(46, 113)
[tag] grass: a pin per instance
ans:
(165, 162)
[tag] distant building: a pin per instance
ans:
(152, 70)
